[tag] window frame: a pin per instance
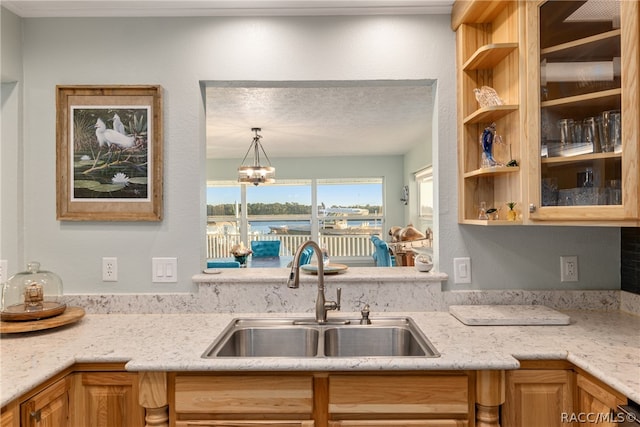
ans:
(315, 218)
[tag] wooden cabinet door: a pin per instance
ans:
(596, 402)
(559, 160)
(106, 399)
(10, 415)
(538, 397)
(49, 408)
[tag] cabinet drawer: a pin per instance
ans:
(400, 423)
(216, 423)
(253, 394)
(423, 394)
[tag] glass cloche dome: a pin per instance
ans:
(32, 294)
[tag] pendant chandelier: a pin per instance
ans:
(256, 174)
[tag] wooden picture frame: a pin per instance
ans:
(109, 153)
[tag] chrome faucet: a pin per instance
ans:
(322, 305)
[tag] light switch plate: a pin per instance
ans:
(462, 270)
(164, 270)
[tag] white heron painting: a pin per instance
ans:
(110, 152)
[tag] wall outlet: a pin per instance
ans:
(4, 274)
(164, 270)
(462, 270)
(569, 268)
(109, 269)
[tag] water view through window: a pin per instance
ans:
(341, 214)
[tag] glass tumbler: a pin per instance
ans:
(615, 128)
(566, 130)
(590, 133)
(609, 130)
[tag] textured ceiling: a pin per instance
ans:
(307, 120)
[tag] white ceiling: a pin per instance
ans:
(301, 119)
(297, 119)
(137, 8)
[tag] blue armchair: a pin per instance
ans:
(264, 248)
(305, 256)
(381, 255)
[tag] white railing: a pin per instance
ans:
(219, 245)
(347, 245)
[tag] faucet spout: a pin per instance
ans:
(294, 275)
(322, 305)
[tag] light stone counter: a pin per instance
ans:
(385, 289)
(352, 275)
(605, 344)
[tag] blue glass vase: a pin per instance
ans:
(242, 259)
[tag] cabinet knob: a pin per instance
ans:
(532, 208)
(36, 415)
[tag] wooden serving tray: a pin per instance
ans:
(18, 313)
(70, 315)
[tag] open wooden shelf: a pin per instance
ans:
(490, 222)
(496, 170)
(489, 56)
(490, 114)
(475, 11)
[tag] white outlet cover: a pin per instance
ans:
(569, 268)
(109, 269)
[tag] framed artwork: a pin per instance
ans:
(109, 153)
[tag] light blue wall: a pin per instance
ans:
(11, 215)
(178, 53)
(10, 46)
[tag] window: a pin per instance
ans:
(350, 212)
(340, 214)
(223, 217)
(281, 208)
(424, 181)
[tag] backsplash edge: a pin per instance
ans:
(235, 298)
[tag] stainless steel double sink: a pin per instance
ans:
(339, 337)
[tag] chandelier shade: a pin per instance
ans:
(256, 173)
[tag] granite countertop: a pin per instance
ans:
(352, 275)
(605, 344)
